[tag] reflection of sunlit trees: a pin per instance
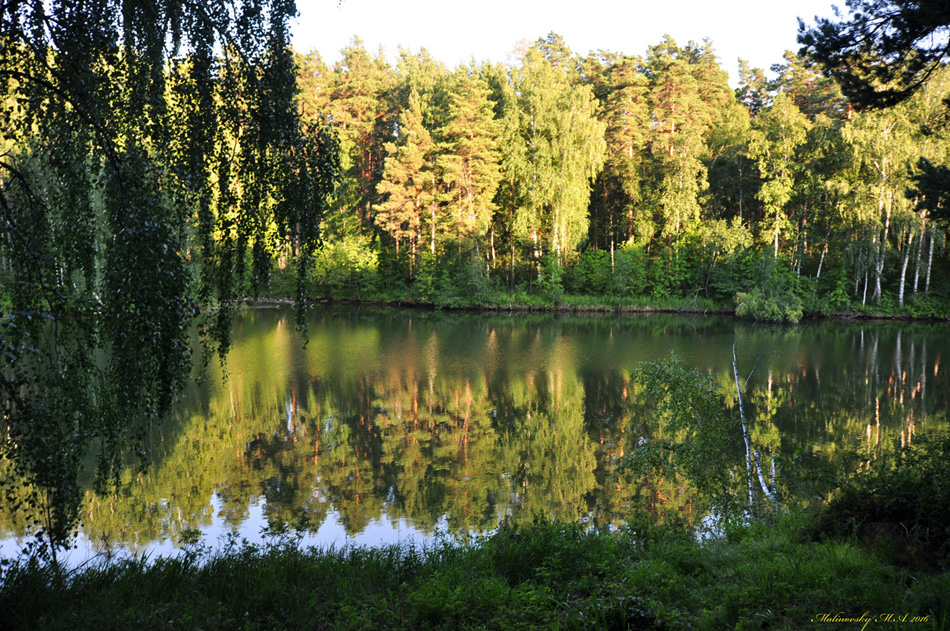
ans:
(349, 466)
(546, 450)
(617, 419)
(846, 390)
(692, 438)
(606, 417)
(463, 459)
(439, 443)
(475, 418)
(173, 494)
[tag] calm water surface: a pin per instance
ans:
(395, 425)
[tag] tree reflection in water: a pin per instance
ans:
(457, 421)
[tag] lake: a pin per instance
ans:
(397, 425)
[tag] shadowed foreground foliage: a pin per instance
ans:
(763, 575)
(900, 507)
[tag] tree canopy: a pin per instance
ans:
(883, 51)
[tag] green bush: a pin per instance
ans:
(830, 293)
(734, 272)
(773, 297)
(345, 268)
(427, 279)
(630, 271)
(760, 305)
(691, 435)
(452, 280)
(672, 272)
(591, 273)
(550, 282)
(727, 258)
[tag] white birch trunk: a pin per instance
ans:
(920, 251)
(930, 260)
(900, 291)
(821, 260)
(745, 430)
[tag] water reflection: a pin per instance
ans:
(402, 423)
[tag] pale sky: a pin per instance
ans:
(454, 32)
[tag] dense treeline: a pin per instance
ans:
(623, 176)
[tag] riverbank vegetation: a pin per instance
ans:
(772, 574)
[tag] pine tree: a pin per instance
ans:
(407, 188)
(676, 139)
(753, 90)
(468, 160)
(812, 92)
(314, 83)
(360, 108)
(627, 115)
(885, 51)
(511, 152)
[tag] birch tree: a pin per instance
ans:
(561, 150)
(468, 160)
(776, 135)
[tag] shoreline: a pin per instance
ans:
(259, 302)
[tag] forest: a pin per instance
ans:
(602, 180)
(563, 177)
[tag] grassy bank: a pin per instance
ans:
(448, 292)
(548, 576)
(521, 303)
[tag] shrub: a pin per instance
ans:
(758, 304)
(773, 298)
(630, 271)
(550, 281)
(345, 268)
(590, 274)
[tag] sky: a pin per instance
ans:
(489, 30)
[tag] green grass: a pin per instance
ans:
(547, 576)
